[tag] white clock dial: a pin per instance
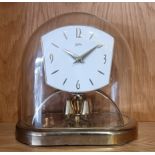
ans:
(77, 58)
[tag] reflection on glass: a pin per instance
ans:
(38, 90)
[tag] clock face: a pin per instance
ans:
(77, 58)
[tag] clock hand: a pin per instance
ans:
(73, 55)
(83, 56)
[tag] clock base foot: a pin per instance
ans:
(94, 135)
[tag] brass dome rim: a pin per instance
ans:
(76, 136)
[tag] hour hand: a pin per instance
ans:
(73, 55)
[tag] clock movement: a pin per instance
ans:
(76, 72)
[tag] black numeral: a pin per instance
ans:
(51, 58)
(78, 85)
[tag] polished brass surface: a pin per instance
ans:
(86, 108)
(77, 136)
(68, 108)
(77, 107)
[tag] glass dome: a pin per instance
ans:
(44, 107)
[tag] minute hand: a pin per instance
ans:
(73, 55)
(83, 56)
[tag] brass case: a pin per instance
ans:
(76, 136)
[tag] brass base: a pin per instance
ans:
(76, 135)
